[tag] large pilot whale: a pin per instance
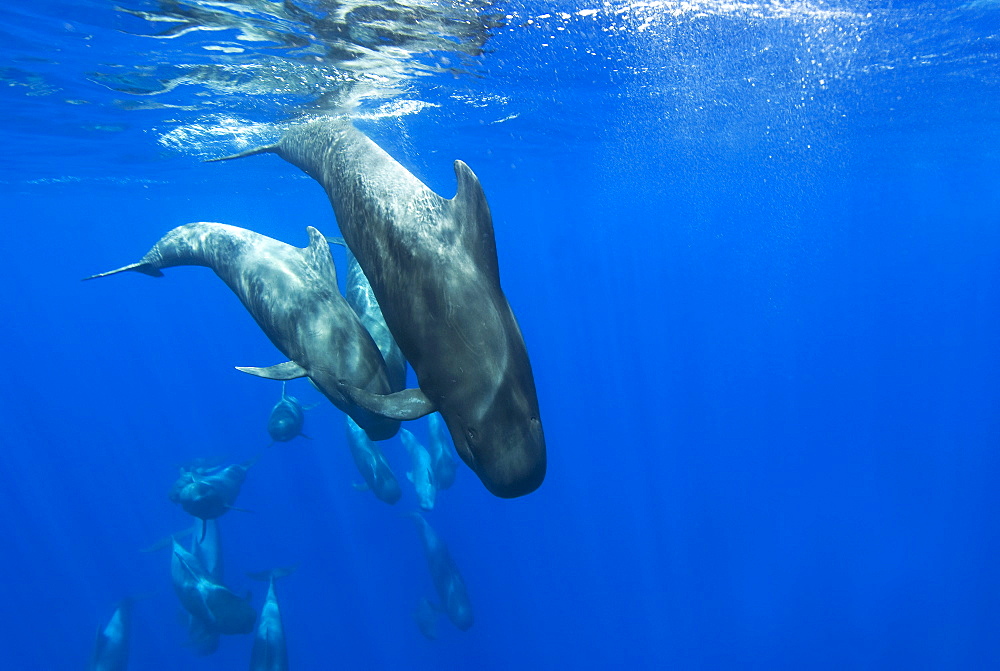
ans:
(432, 265)
(293, 296)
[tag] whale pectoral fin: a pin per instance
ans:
(144, 268)
(282, 371)
(269, 149)
(402, 405)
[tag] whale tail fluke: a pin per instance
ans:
(141, 267)
(269, 149)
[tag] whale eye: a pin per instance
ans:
(471, 433)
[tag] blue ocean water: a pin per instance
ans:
(755, 252)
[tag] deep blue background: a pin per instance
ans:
(763, 315)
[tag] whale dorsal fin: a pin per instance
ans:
(319, 252)
(471, 211)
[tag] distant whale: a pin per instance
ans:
(372, 466)
(362, 300)
(113, 641)
(440, 450)
(293, 296)
(206, 546)
(432, 264)
(447, 580)
(211, 495)
(421, 472)
(270, 652)
(206, 599)
(426, 617)
(286, 418)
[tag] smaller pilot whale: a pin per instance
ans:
(211, 495)
(426, 617)
(269, 650)
(447, 580)
(439, 447)
(371, 463)
(206, 546)
(421, 472)
(361, 298)
(113, 640)
(293, 296)
(286, 418)
(212, 603)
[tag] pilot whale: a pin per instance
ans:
(293, 296)
(441, 459)
(211, 495)
(286, 418)
(447, 580)
(432, 265)
(207, 600)
(270, 652)
(362, 300)
(113, 640)
(206, 547)
(421, 472)
(372, 465)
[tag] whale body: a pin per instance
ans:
(111, 649)
(447, 580)
(293, 296)
(432, 265)
(286, 418)
(212, 603)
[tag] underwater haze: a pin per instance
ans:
(754, 250)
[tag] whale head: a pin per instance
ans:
(498, 433)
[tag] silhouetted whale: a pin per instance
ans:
(113, 640)
(447, 580)
(426, 616)
(211, 495)
(440, 451)
(372, 465)
(421, 473)
(212, 603)
(270, 652)
(432, 264)
(286, 418)
(293, 296)
(362, 300)
(206, 546)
